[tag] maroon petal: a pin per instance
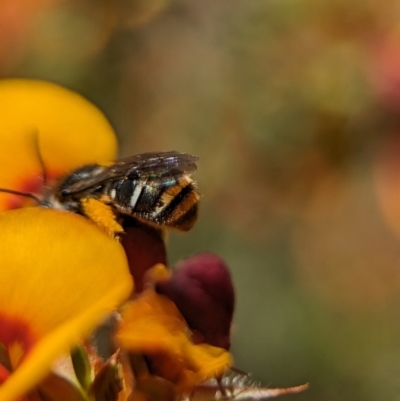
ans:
(202, 289)
(144, 247)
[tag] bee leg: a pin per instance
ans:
(102, 215)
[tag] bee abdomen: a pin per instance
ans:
(125, 193)
(170, 203)
(179, 202)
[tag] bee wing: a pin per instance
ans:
(154, 166)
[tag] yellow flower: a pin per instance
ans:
(60, 277)
(152, 325)
(41, 120)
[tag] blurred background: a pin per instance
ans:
(293, 107)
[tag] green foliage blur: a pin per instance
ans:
(293, 107)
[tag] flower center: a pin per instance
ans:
(16, 339)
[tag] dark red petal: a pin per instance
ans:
(14, 330)
(202, 289)
(144, 247)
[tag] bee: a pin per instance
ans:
(154, 188)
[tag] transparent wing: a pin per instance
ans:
(150, 167)
(155, 163)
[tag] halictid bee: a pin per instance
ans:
(154, 188)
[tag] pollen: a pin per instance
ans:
(102, 215)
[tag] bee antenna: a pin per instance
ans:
(44, 174)
(25, 194)
(40, 158)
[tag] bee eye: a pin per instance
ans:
(65, 192)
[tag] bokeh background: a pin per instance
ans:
(293, 107)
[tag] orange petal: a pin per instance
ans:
(152, 325)
(60, 277)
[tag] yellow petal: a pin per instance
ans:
(61, 276)
(210, 361)
(68, 130)
(152, 325)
